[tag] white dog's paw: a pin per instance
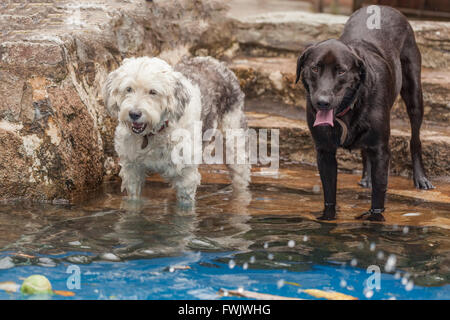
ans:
(185, 203)
(132, 205)
(185, 199)
(133, 190)
(134, 197)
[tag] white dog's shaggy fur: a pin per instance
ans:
(151, 100)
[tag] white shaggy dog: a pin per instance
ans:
(151, 100)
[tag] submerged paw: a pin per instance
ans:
(327, 216)
(371, 216)
(185, 203)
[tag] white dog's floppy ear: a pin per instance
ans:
(110, 95)
(181, 98)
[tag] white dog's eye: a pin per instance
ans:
(152, 92)
(129, 89)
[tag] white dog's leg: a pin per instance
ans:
(186, 184)
(240, 176)
(132, 171)
(240, 173)
(133, 177)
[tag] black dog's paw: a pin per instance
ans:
(329, 212)
(327, 216)
(423, 183)
(365, 182)
(371, 215)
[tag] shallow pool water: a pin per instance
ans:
(270, 244)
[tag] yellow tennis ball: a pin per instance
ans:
(36, 284)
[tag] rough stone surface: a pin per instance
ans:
(289, 32)
(56, 138)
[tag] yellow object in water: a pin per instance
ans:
(64, 293)
(9, 286)
(36, 284)
(330, 295)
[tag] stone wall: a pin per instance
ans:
(56, 140)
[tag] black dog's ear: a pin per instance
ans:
(362, 71)
(301, 61)
(361, 65)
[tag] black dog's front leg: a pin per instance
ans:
(379, 161)
(326, 161)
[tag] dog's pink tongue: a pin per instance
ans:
(324, 118)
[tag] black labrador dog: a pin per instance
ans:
(351, 84)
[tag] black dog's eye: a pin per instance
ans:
(129, 89)
(152, 92)
(341, 72)
(315, 69)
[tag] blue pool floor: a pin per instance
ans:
(202, 276)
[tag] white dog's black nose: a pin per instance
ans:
(135, 115)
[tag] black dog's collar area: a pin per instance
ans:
(344, 132)
(352, 104)
(342, 113)
(343, 125)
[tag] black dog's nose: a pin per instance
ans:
(134, 115)
(323, 103)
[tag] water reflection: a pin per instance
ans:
(265, 230)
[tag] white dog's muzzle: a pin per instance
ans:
(138, 127)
